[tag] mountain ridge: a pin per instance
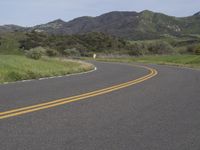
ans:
(126, 24)
(197, 14)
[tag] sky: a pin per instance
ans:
(34, 12)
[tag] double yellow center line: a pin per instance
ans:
(54, 103)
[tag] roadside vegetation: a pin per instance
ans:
(16, 67)
(32, 55)
(177, 60)
(84, 45)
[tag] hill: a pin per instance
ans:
(129, 25)
(11, 28)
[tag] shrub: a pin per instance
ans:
(71, 52)
(35, 53)
(136, 49)
(51, 52)
(160, 47)
(194, 49)
(197, 50)
(191, 48)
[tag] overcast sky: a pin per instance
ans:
(32, 12)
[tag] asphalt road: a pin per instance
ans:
(161, 113)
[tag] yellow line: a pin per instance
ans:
(69, 98)
(33, 108)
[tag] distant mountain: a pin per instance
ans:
(130, 25)
(197, 14)
(11, 28)
(55, 27)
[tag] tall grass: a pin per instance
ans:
(179, 60)
(14, 68)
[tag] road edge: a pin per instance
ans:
(52, 77)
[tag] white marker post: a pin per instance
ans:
(94, 56)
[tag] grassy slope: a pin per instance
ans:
(179, 44)
(13, 67)
(179, 60)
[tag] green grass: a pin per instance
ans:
(178, 60)
(15, 67)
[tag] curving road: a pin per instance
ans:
(143, 110)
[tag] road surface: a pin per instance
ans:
(142, 110)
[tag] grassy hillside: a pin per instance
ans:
(178, 60)
(14, 68)
(179, 44)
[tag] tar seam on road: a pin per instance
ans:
(58, 102)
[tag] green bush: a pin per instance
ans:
(71, 52)
(35, 53)
(160, 47)
(194, 49)
(51, 52)
(197, 50)
(191, 48)
(136, 49)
